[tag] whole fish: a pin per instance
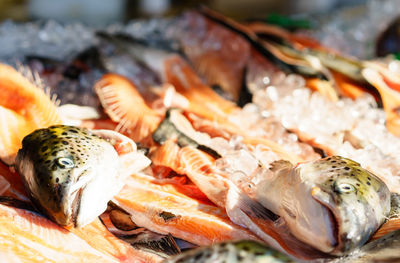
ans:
(332, 204)
(72, 173)
(240, 252)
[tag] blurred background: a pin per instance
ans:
(351, 26)
(98, 13)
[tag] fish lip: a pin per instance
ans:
(334, 219)
(72, 198)
(75, 207)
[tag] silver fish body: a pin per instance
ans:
(332, 204)
(233, 252)
(70, 173)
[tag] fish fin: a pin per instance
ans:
(199, 168)
(267, 230)
(13, 129)
(117, 95)
(393, 224)
(34, 77)
(47, 112)
(24, 107)
(240, 217)
(280, 165)
(163, 245)
(253, 208)
(9, 201)
(166, 155)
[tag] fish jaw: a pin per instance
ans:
(84, 202)
(308, 220)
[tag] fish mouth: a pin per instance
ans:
(75, 207)
(332, 219)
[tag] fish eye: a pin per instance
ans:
(65, 163)
(345, 188)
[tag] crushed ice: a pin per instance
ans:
(351, 128)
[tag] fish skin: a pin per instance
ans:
(240, 252)
(60, 168)
(385, 249)
(393, 222)
(332, 204)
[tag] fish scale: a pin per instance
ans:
(233, 252)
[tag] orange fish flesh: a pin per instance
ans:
(24, 107)
(163, 209)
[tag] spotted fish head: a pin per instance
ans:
(239, 251)
(65, 169)
(353, 201)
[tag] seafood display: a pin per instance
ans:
(199, 139)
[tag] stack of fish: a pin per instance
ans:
(220, 142)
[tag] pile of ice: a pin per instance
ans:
(59, 41)
(47, 39)
(353, 31)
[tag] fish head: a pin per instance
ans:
(233, 251)
(66, 170)
(258, 252)
(342, 204)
